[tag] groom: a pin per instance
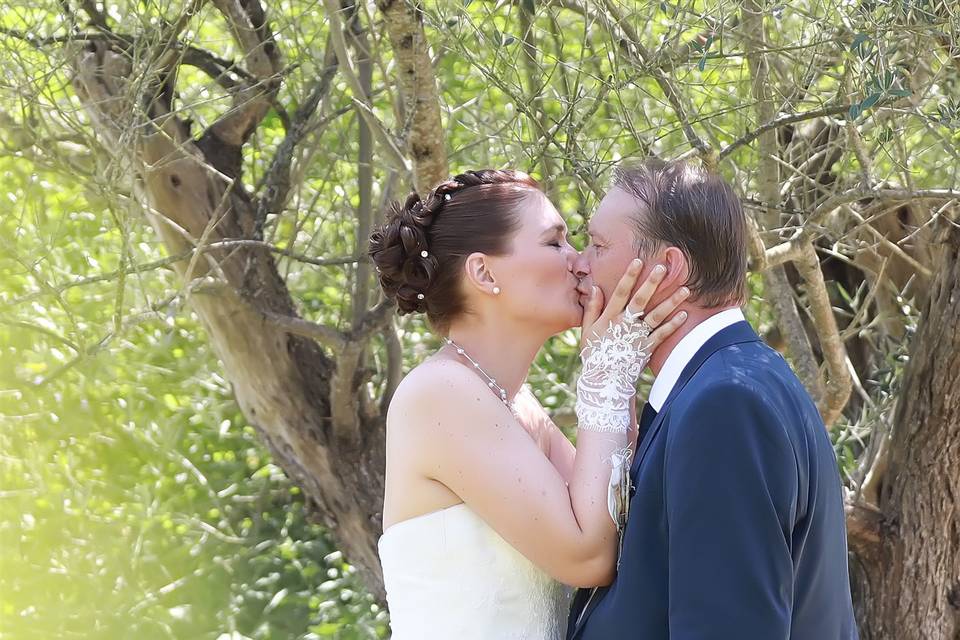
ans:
(736, 528)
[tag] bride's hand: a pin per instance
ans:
(597, 319)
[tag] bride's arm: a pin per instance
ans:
(561, 450)
(460, 434)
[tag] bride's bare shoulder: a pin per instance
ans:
(433, 385)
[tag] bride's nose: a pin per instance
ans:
(572, 257)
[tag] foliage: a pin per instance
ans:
(135, 498)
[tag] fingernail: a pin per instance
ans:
(684, 291)
(682, 315)
(636, 263)
(659, 268)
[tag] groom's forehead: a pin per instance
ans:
(617, 208)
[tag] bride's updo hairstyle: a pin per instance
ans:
(420, 250)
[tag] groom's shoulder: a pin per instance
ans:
(751, 367)
(746, 384)
(740, 369)
(717, 389)
(748, 376)
(727, 415)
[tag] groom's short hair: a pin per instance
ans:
(688, 207)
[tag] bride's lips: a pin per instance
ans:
(583, 294)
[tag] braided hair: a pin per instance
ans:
(420, 249)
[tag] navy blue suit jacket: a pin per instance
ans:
(736, 528)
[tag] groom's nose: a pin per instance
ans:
(581, 266)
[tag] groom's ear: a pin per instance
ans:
(678, 269)
(477, 270)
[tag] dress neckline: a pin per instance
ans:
(422, 516)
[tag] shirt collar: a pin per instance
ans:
(688, 346)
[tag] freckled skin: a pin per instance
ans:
(471, 454)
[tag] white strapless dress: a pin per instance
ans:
(449, 576)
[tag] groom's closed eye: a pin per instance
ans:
(596, 243)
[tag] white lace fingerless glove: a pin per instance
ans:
(612, 364)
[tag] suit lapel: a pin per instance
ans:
(647, 439)
(734, 334)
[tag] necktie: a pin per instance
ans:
(646, 419)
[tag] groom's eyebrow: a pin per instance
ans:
(595, 235)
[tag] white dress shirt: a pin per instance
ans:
(681, 355)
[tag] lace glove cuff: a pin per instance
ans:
(612, 364)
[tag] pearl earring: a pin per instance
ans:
(496, 291)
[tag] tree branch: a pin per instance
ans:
(781, 121)
(838, 384)
(394, 366)
(424, 135)
(347, 71)
(532, 71)
(674, 97)
(327, 336)
(864, 523)
(247, 22)
(775, 278)
(276, 183)
(360, 42)
(186, 255)
(790, 250)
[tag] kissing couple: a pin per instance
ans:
(714, 514)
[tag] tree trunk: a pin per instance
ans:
(284, 383)
(301, 384)
(906, 572)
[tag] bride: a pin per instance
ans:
(490, 514)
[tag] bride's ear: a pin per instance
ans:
(477, 269)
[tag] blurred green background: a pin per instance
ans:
(135, 500)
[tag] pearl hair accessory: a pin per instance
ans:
(420, 296)
(424, 254)
(496, 291)
(446, 197)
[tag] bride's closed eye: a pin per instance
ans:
(559, 242)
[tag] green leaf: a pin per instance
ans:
(869, 102)
(859, 40)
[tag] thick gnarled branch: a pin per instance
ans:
(248, 24)
(423, 129)
(280, 376)
(838, 383)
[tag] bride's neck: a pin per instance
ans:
(504, 354)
